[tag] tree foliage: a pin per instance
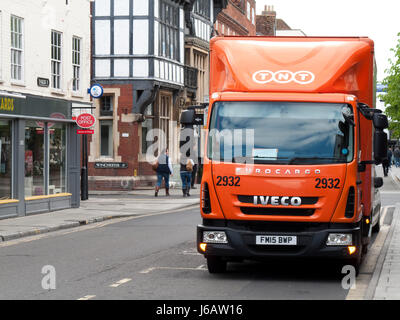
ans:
(392, 96)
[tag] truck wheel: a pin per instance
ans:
(377, 227)
(216, 264)
(356, 261)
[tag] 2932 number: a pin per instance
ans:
(228, 181)
(325, 183)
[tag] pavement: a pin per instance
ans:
(99, 207)
(386, 278)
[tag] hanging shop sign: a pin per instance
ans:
(85, 120)
(96, 91)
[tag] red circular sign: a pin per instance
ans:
(85, 120)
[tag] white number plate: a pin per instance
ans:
(277, 240)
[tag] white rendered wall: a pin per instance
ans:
(40, 18)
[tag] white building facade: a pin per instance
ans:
(44, 76)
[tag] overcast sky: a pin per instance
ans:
(379, 20)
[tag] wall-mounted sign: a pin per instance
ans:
(198, 119)
(43, 82)
(85, 131)
(96, 91)
(110, 165)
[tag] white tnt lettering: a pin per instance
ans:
(283, 76)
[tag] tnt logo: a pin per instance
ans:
(283, 76)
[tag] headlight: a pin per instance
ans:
(215, 237)
(339, 239)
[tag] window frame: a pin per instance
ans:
(202, 8)
(169, 31)
(56, 60)
(76, 63)
(108, 117)
(17, 50)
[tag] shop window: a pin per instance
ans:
(57, 158)
(34, 159)
(5, 160)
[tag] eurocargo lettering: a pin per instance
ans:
(304, 184)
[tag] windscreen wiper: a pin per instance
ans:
(257, 158)
(295, 159)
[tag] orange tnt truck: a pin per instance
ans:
(292, 140)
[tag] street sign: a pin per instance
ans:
(110, 165)
(85, 120)
(96, 91)
(84, 131)
(43, 82)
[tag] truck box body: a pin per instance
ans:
(294, 93)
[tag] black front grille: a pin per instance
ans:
(276, 249)
(351, 199)
(277, 211)
(304, 200)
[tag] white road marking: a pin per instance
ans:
(118, 283)
(192, 252)
(148, 270)
(87, 297)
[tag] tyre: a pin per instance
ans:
(216, 264)
(357, 260)
(377, 226)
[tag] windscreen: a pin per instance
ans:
(281, 132)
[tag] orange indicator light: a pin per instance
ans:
(203, 247)
(352, 249)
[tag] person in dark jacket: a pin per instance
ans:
(396, 154)
(164, 170)
(186, 175)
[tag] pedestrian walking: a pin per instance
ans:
(186, 175)
(163, 168)
(385, 166)
(390, 156)
(396, 154)
(194, 172)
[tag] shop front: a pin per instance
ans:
(40, 155)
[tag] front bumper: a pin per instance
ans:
(311, 239)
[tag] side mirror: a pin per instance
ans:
(380, 121)
(378, 182)
(380, 146)
(187, 117)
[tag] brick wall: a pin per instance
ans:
(128, 150)
(234, 17)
